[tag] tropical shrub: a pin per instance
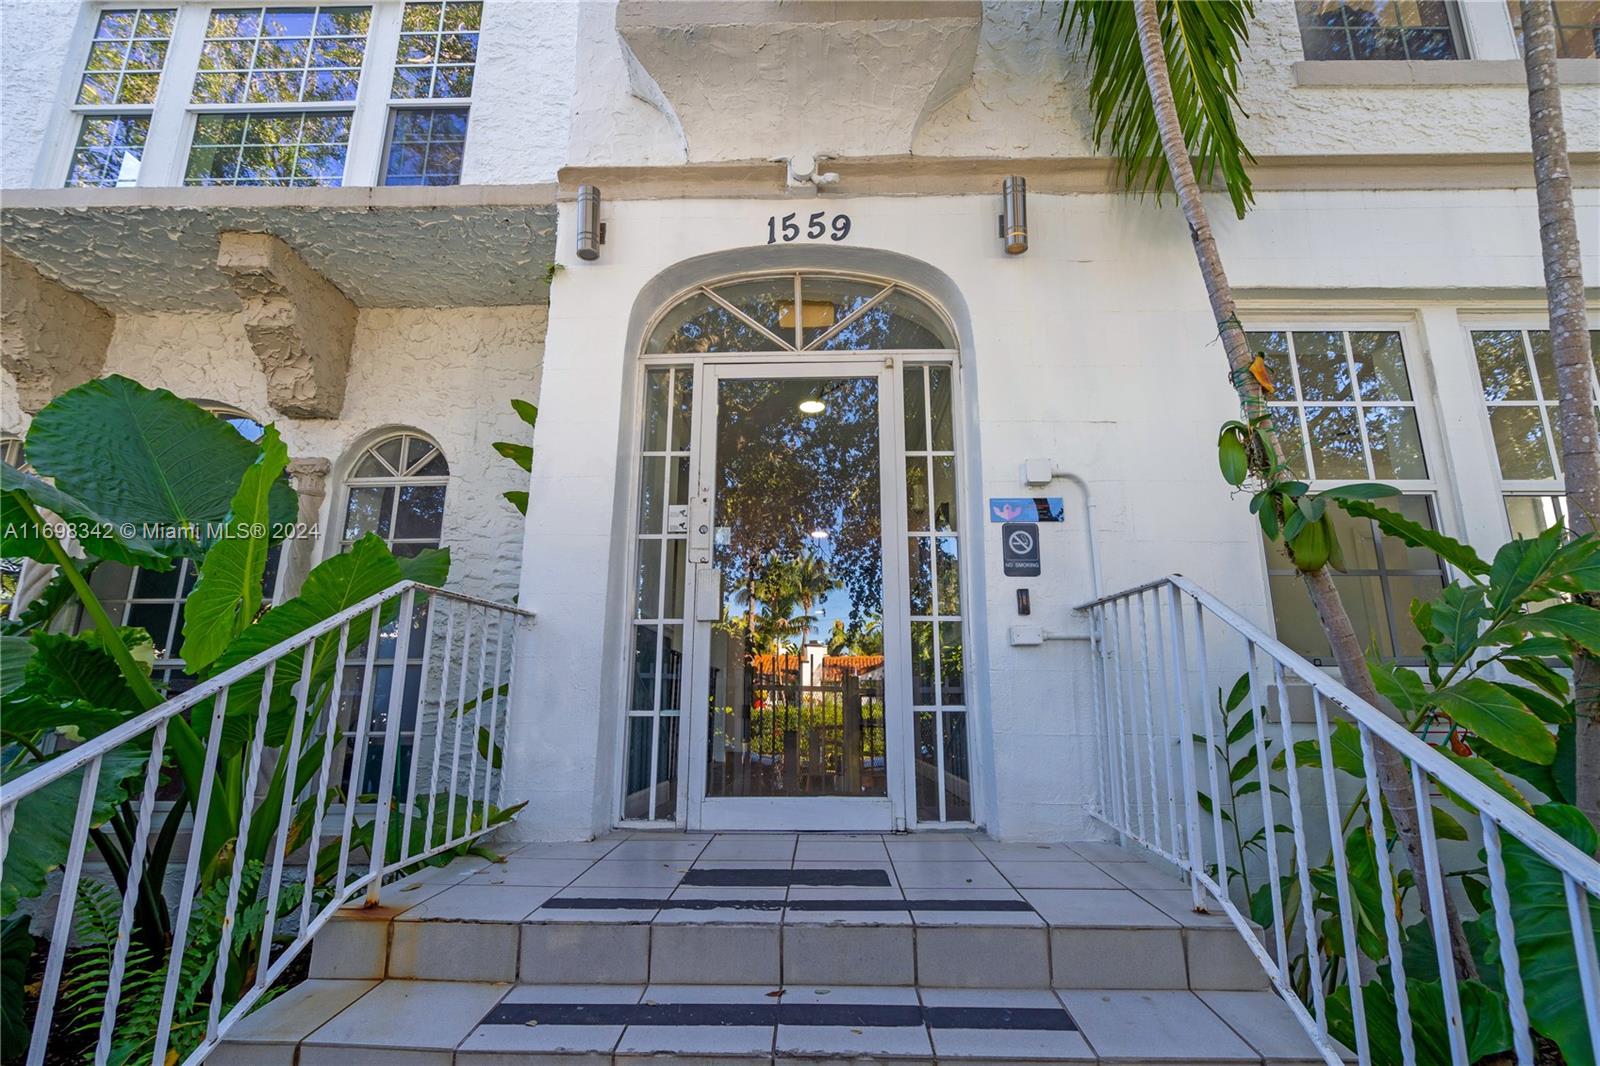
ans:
(140, 477)
(1493, 697)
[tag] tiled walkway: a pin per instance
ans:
(751, 948)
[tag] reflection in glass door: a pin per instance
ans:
(795, 659)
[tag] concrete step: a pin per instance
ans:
(333, 1022)
(1028, 917)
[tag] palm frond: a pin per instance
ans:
(1203, 42)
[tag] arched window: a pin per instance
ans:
(396, 489)
(838, 313)
(153, 600)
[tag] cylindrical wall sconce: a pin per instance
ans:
(1014, 214)
(591, 231)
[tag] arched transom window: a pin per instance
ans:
(396, 490)
(837, 313)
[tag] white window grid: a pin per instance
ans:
(119, 77)
(1304, 465)
(940, 618)
(1418, 384)
(655, 621)
(1547, 406)
(173, 116)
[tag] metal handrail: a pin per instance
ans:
(492, 688)
(1146, 712)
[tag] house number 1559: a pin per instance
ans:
(817, 226)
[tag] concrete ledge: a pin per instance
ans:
(1373, 73)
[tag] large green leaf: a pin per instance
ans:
(1399, 685)
(1498, 718)
(1520, 566)
(99, 534)
(144, 456)
(1487, 774)
(1488, 1028)
(521, 454)
(14, 655)
(1458, 614)
(1546, 953)
(341, 581)
(1577, 622)
(43, 833)
(1417, 535)
(228, 595)
(16, 954)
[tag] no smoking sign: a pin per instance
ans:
(1019, 549)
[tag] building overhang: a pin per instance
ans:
(823, 77)
(135, 251)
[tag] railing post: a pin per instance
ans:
(1191, 798)
(1391, 921)
(391, 745)
(60, 933)
(1455, 1025)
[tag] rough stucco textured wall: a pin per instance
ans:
(1027, 98)
(449, 374)
(610, 124)
(522, 93)
(34, 39)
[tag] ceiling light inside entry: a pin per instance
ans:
(812, 405)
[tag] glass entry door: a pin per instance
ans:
(795, 723)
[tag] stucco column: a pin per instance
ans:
(309, 477)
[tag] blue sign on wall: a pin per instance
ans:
(1026, 509)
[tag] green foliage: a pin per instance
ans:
(16, 951)
(44, 820)
(1203, 43)
(228, 595)
(100, 534)
(521, 454)
(176, 465)
(1483, 1008)
(1546, 953)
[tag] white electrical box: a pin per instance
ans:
(1026, 636)
(1038, 471)
(707, 594)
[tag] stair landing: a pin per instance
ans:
(762, 947)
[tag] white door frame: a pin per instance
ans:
(792, 812)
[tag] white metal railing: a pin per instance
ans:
(462, 679)
(1161, 650)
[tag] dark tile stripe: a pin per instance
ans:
(739, 877)
(601, 903)
(851, 1015)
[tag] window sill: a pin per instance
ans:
(1371, 73)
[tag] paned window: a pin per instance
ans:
(650, 786)
(1518, 374)
(116, 94)
(425, 146)
(269, 148)
(1517, 370)
(1342, 404)
(395, 489)
(260, 58)
(435, 60)
(1577, 27)
(933, 548)
(837, 314)
(1344, 410)
(281, 55)
(1379, 29)
(1382, 576)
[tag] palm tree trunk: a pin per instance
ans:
(1392, 773)
(1569, 341)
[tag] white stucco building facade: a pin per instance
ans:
(1390, 267)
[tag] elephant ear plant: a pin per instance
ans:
(140, 477)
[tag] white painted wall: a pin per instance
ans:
(35, 42)
(522, 92)
(448, 373)
(1094, 349)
